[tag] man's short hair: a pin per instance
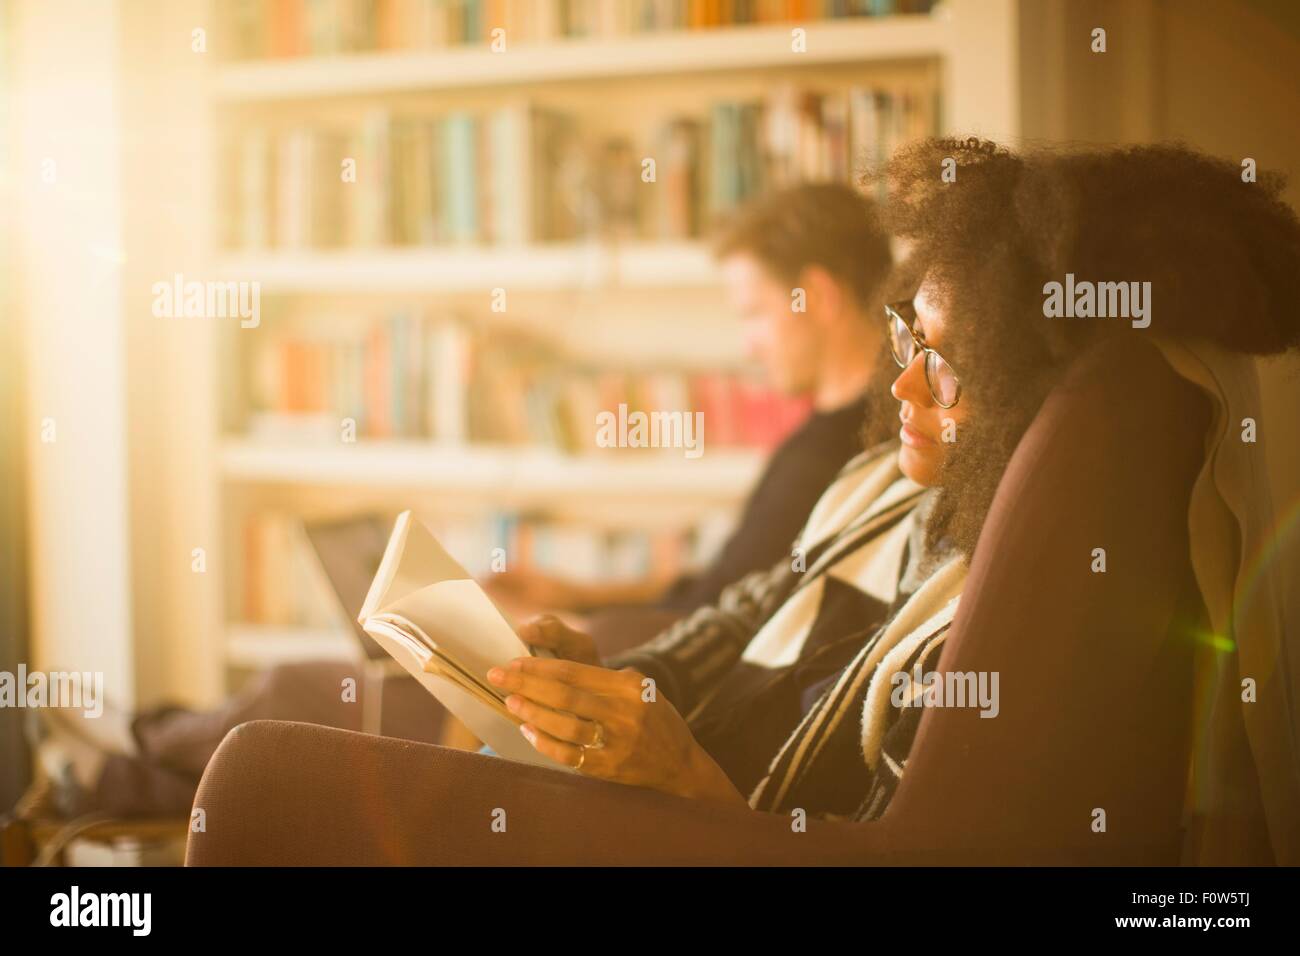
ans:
(823, 224)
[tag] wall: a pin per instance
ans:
(167, 161)
(68, 257)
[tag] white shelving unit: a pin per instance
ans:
(549, 267)
(735, 48)
(961, 37)
(259, 646)
(523, 475)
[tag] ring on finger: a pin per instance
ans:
(599, 742)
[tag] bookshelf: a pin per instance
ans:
(550, 266)
(627, 85)
(251, 647)
(747, 47)
(524, 477)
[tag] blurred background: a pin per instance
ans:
(496, 271)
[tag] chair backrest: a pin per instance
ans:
(1081, 599)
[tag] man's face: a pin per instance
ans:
(786, 343)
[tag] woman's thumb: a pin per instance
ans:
(546, 630)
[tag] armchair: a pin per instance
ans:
(1089, 664)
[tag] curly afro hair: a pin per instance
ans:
(1222, 256)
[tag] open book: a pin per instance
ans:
(431, 616)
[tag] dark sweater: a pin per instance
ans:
(798, 472)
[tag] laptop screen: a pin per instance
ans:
(349, 553)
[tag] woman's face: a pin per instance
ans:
(929, 430)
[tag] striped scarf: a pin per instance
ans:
(852, 608)
(857, 709)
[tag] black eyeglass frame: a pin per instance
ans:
(893, 313)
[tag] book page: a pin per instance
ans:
(412, 560)
(463, 622)
(420, 581)
(495, 730)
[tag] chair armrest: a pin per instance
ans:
(282, 793)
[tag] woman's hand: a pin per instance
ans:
(550, 632)
(612, 726)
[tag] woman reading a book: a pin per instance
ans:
(810, 609)
(805, 685)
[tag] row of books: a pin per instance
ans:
(281, 583)
(521, 174)
(397, 377)
(261, 29)
(412, 376)
(461, 177)
(528, 543)
(795, 135)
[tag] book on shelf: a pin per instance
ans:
(521, 174)
(395, 378)
(406, 374)
(280, 583)
(388, 180)
(286, 29)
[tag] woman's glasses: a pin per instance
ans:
(905, 343)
